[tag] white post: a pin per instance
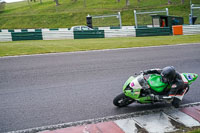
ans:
(191, 14)
(135, 19)
(167, 12)
(120, 20)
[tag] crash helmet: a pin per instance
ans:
(168, 74)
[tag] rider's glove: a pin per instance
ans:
(145, 72)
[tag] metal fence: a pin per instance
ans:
(145, 16)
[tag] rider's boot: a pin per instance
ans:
(168, 99)
(155, 97)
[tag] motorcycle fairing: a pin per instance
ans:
(132, 93)
(155, 83)
(191, 77)
(128, 82)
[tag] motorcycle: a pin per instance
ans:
(140, 89)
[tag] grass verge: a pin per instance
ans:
(195, 131)
(55, 46)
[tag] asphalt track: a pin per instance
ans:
(49, 89)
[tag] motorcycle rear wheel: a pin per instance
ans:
(122, 100)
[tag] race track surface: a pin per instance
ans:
(50, 89)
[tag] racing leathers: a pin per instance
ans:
(176, 84)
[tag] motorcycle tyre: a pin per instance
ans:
(176, 102)
(122, 100)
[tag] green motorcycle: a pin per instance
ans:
(139, 89)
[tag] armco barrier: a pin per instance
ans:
(101, 32)
(191, 29)
(108, 28)
(56, 35)
(18, 36)
(119, 33)
(5, 36)
(140, 32)
(89, 34)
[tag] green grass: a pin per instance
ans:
(195, 131)
(47, 15)
(55, 46)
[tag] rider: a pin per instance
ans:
(170, 76)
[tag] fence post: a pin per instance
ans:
(135, 19)
(120, 20)
(167, 11)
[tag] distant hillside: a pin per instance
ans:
(68, 13)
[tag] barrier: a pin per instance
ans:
(108, 28)
(5, 36)
(153, 32)
(177, 30)
(119, 33)
(89, 34)
(56, 35)
(18, 36)
(191, 29)
(101, 32)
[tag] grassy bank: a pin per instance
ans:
(55, 46)
(195, 131)
(46, 15)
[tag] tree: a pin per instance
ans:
(118, 1)
(127, 2)
(182, 1)
(33, 0)
(169, 2)
(57, 3)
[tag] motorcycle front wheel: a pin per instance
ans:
(122, 100)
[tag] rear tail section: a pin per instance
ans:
(191, 77)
